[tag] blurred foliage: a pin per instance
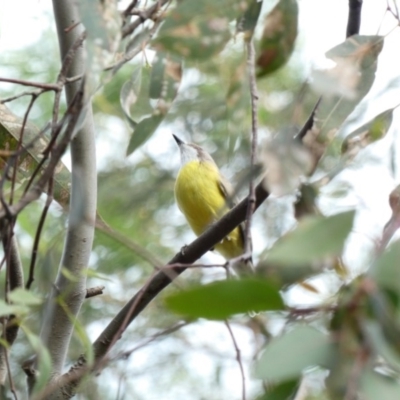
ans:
(191, 78)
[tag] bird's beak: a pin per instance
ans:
(177, 140)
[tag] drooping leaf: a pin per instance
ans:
(198, 29)
(34, 144)
(248, 21)
(285, 357)
(15, 309)
(313, 239)
(374, 385)
(278, 38)
(161, 84)
(348, 82)
(384, 337)
(370, 132)
(44, 364)
(25, 297)
(143, 130)
(219, 300)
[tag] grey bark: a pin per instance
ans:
(58, 326)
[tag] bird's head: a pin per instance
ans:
(192, 152)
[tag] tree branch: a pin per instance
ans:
(16, 280)
(57, 327)
(145, 15)
(354, 19)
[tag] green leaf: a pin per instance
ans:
(161, 84)
(386, 346)
(277, 41)
(385, 270)
(370, 132)
(8, 309)
(374, 386)
(144, 129)
(285, 357)
(283, 391)
(44, 365)
(198, 29)
(25, 297)
(314, 238)
(348, 82)
(248, 21)
(219, 300)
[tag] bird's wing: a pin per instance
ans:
(227, 191)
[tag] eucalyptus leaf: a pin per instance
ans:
(278, 38)
(348, 82)
(198, 29)
(15, 309)
(314, 238)
(374, 385)
(282, 391)
(25, 297)
(248, 21)
(143, 130)
(287, 356)
(219, 300)
(368, 133)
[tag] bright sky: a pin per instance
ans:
(322, 26)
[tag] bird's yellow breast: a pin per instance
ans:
(199, 197)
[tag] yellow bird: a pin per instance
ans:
(202, 194)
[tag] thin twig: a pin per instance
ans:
(10, 378)
(254, 140)
(35, 248)
(146, 14)
(135, 51)
(130, 7)
(172, 329)
(238, 359)
(19, 146)
(309, 123)
(30, 93)
(45, 86)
